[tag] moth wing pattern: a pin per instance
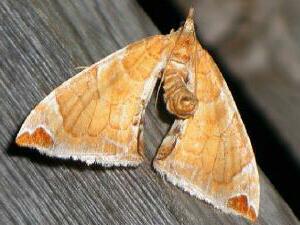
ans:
(210, 155)
(96, 116)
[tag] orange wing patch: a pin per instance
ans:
(241, 205)
(38, 138)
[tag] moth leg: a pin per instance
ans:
(170, 140)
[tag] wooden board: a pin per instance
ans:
(41, 44)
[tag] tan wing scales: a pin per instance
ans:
(96, 115)
(210, 155)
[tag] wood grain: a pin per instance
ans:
(41, 44)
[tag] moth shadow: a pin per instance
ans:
(162, 111)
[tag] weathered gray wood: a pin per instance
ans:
(41, 44)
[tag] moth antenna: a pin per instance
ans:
(157, 93)
(80, 67)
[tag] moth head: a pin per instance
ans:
(189, 22)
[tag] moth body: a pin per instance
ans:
(179, 75)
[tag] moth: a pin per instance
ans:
(97, 117)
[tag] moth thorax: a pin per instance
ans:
(179, 99)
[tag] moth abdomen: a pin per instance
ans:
(179, 99)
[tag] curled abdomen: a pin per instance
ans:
(179, 99)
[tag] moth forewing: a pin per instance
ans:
(209, 155)
(96, 115)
